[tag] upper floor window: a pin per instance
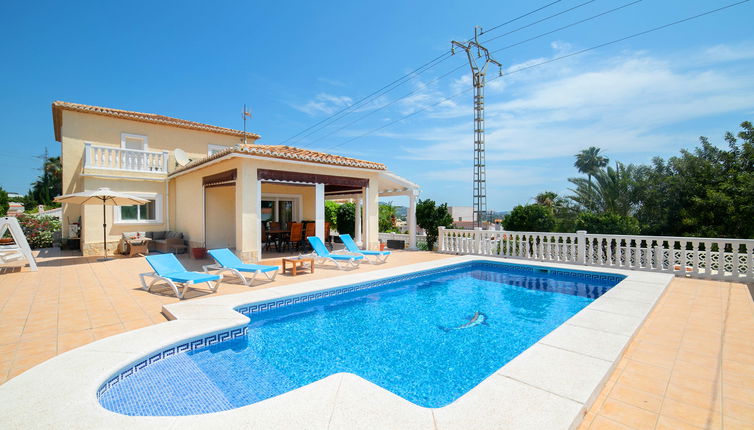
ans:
(214, 149)
(133, 141)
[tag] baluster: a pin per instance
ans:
(695, 257)
(735, 271)
(721, 260)
(749, 270)
(708, 259)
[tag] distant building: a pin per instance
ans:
(461, 214)
(15, 208)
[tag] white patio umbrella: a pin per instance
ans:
(105, 197)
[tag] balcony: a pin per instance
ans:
(126, 160)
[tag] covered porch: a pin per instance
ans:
(250, 207)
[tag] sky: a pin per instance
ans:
(298, 63)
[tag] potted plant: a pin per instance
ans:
(199, 252)
(382, 245)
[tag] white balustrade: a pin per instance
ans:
(421, 239)
(131, 160)
(706, 258)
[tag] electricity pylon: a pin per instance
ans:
(478, 65)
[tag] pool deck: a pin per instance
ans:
(689, 366)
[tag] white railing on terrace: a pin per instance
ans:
(707, 258)
(420, 238)
(131, 160)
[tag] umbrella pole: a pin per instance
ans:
(104, 230)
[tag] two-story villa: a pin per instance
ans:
(222, 195)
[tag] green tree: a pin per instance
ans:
(589, 162)
(430, 217)
(346, 219)
(3, 202)
(708, 191)
(530, 218)
(48, 185)
(607, 223)
(331, 214)
(614, 190)
(387, 217)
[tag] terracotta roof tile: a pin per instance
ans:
(286, 153)
(59, 106)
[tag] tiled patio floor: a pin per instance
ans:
(691, 366)
(73, 300)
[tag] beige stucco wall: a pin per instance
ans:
(220, 213)
(80, 128)
(91, 215)
(183, 197)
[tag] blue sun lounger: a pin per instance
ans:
(378, 256)
(168, 269)
(228, 261)
(321, 252)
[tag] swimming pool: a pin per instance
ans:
(429, 337)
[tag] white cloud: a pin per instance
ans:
(621, 105)
(324, 103)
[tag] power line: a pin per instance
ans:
(462, 66)
(519, 17)
(397, 82)
(539, 21)
(569, 25)
(542, 63)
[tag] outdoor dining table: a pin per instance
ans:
(277, 236)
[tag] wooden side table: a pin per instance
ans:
(296, 263)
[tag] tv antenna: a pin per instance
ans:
(478, 63)
(246, 114)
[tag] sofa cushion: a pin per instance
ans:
(158, 235)
(174, 235)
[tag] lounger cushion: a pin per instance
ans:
(194, 277)
(345, 257)
(254, 268)
(375, 252)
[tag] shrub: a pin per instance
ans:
(607, 223)
(430, 217)
(39, 230)
(529, 218)
(331, 214)
(346, 219)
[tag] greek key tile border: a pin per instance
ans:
(186, 346)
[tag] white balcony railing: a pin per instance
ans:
(696, 257)
(130, 160)
(420, 238)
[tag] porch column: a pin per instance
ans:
(319, 211)
(248, 208)
(357, 231)
(412, 219)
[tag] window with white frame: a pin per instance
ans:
(148, 213)
(133, 141)
(214, 149)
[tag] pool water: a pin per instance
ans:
(429, 339)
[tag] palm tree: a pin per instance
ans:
(613, 190)
(589, 162)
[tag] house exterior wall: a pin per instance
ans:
(79, 128)
(182, 195)
(220, 216)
